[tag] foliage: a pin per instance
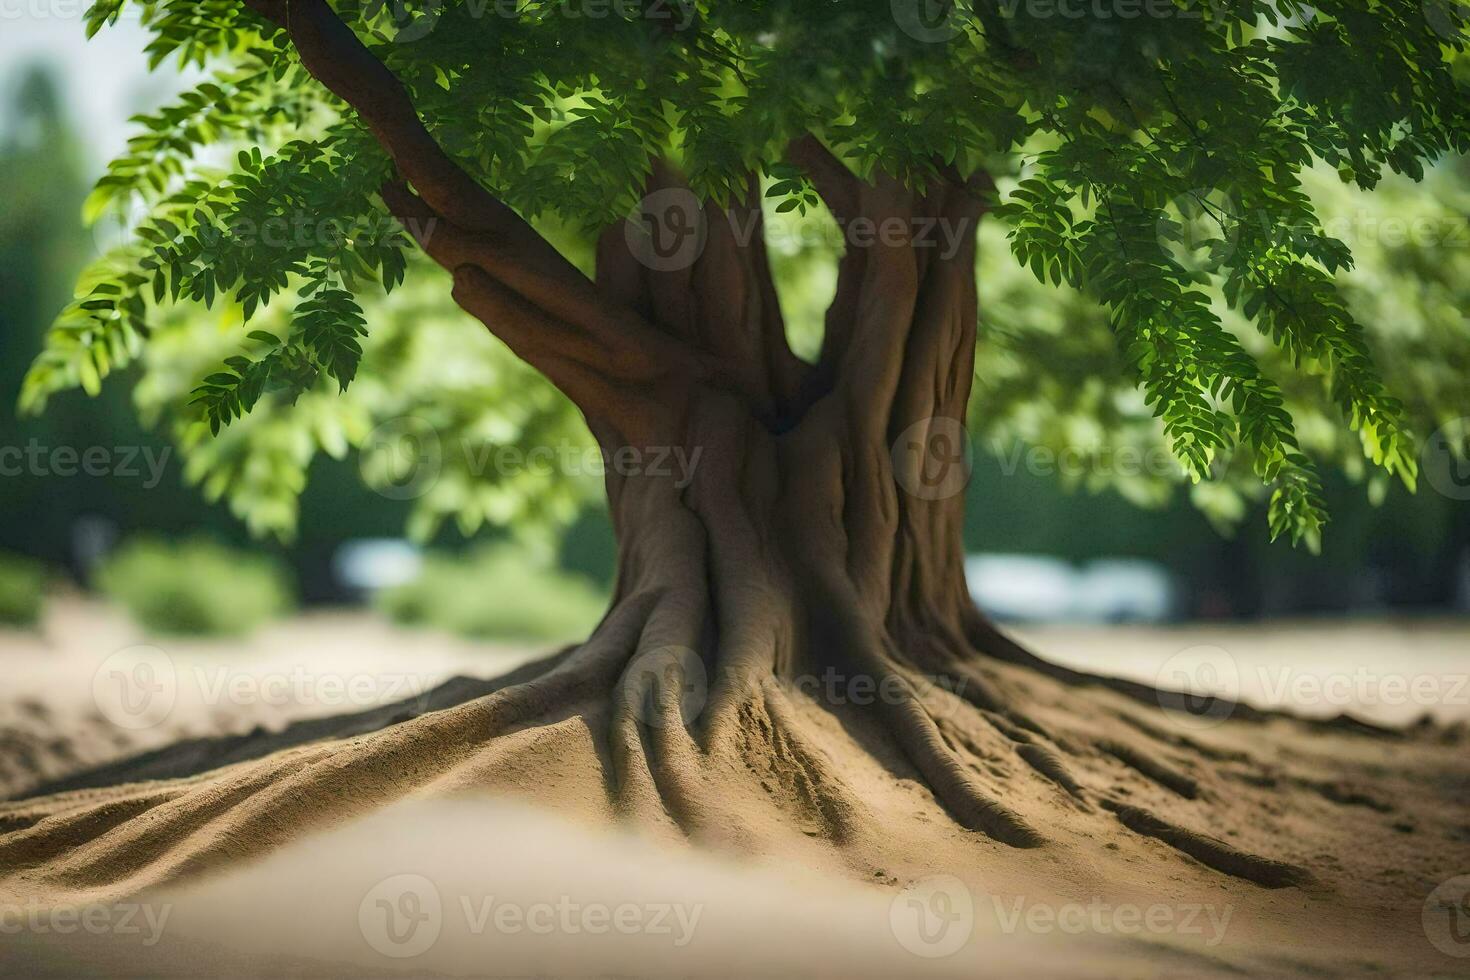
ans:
(195, 587)
(430, 381)
(1051, 384)
(22, 590)
(1408, 290)
(494, 592)
(1158, 166)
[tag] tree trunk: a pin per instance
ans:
(805, 561)
(814, 553)
(815, 546)
(806, 572)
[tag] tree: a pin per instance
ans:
(1153, 165)
(40, 250)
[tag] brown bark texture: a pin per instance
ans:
(814, 546)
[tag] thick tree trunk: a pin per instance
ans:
(808, 570)
(817, 542)
(812, 560)
(794, 550)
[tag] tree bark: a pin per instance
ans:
(819, 534)
(809, 557)
(792, 549)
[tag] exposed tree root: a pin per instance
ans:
(955, 786)
(665, 767)
(1345, 794)
(1152, 768)
(808, 546)
(1214, 853)
(1050, 765)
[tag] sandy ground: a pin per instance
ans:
(61, 709)
(503, 859)
(63, 706)
(489, 887)
(1387, 671)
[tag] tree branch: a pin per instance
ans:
(577, 301)
(335, 56)
(594, 376)
(947, 217)
(462, 226)
(837, 185)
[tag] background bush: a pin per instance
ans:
(22, 590)
(497, 592)
(196, 587)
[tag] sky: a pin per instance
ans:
(105, 80)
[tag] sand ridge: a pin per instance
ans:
(1259, 843)
(1374, 823)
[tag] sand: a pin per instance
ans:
(294, 862)
(504, 889)
(53, 722)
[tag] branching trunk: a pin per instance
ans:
(782, 559)
(817, 538)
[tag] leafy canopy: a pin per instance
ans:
(1150, 151)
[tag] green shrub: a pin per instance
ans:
(22, 590)
(497, 592)
(195, 587)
